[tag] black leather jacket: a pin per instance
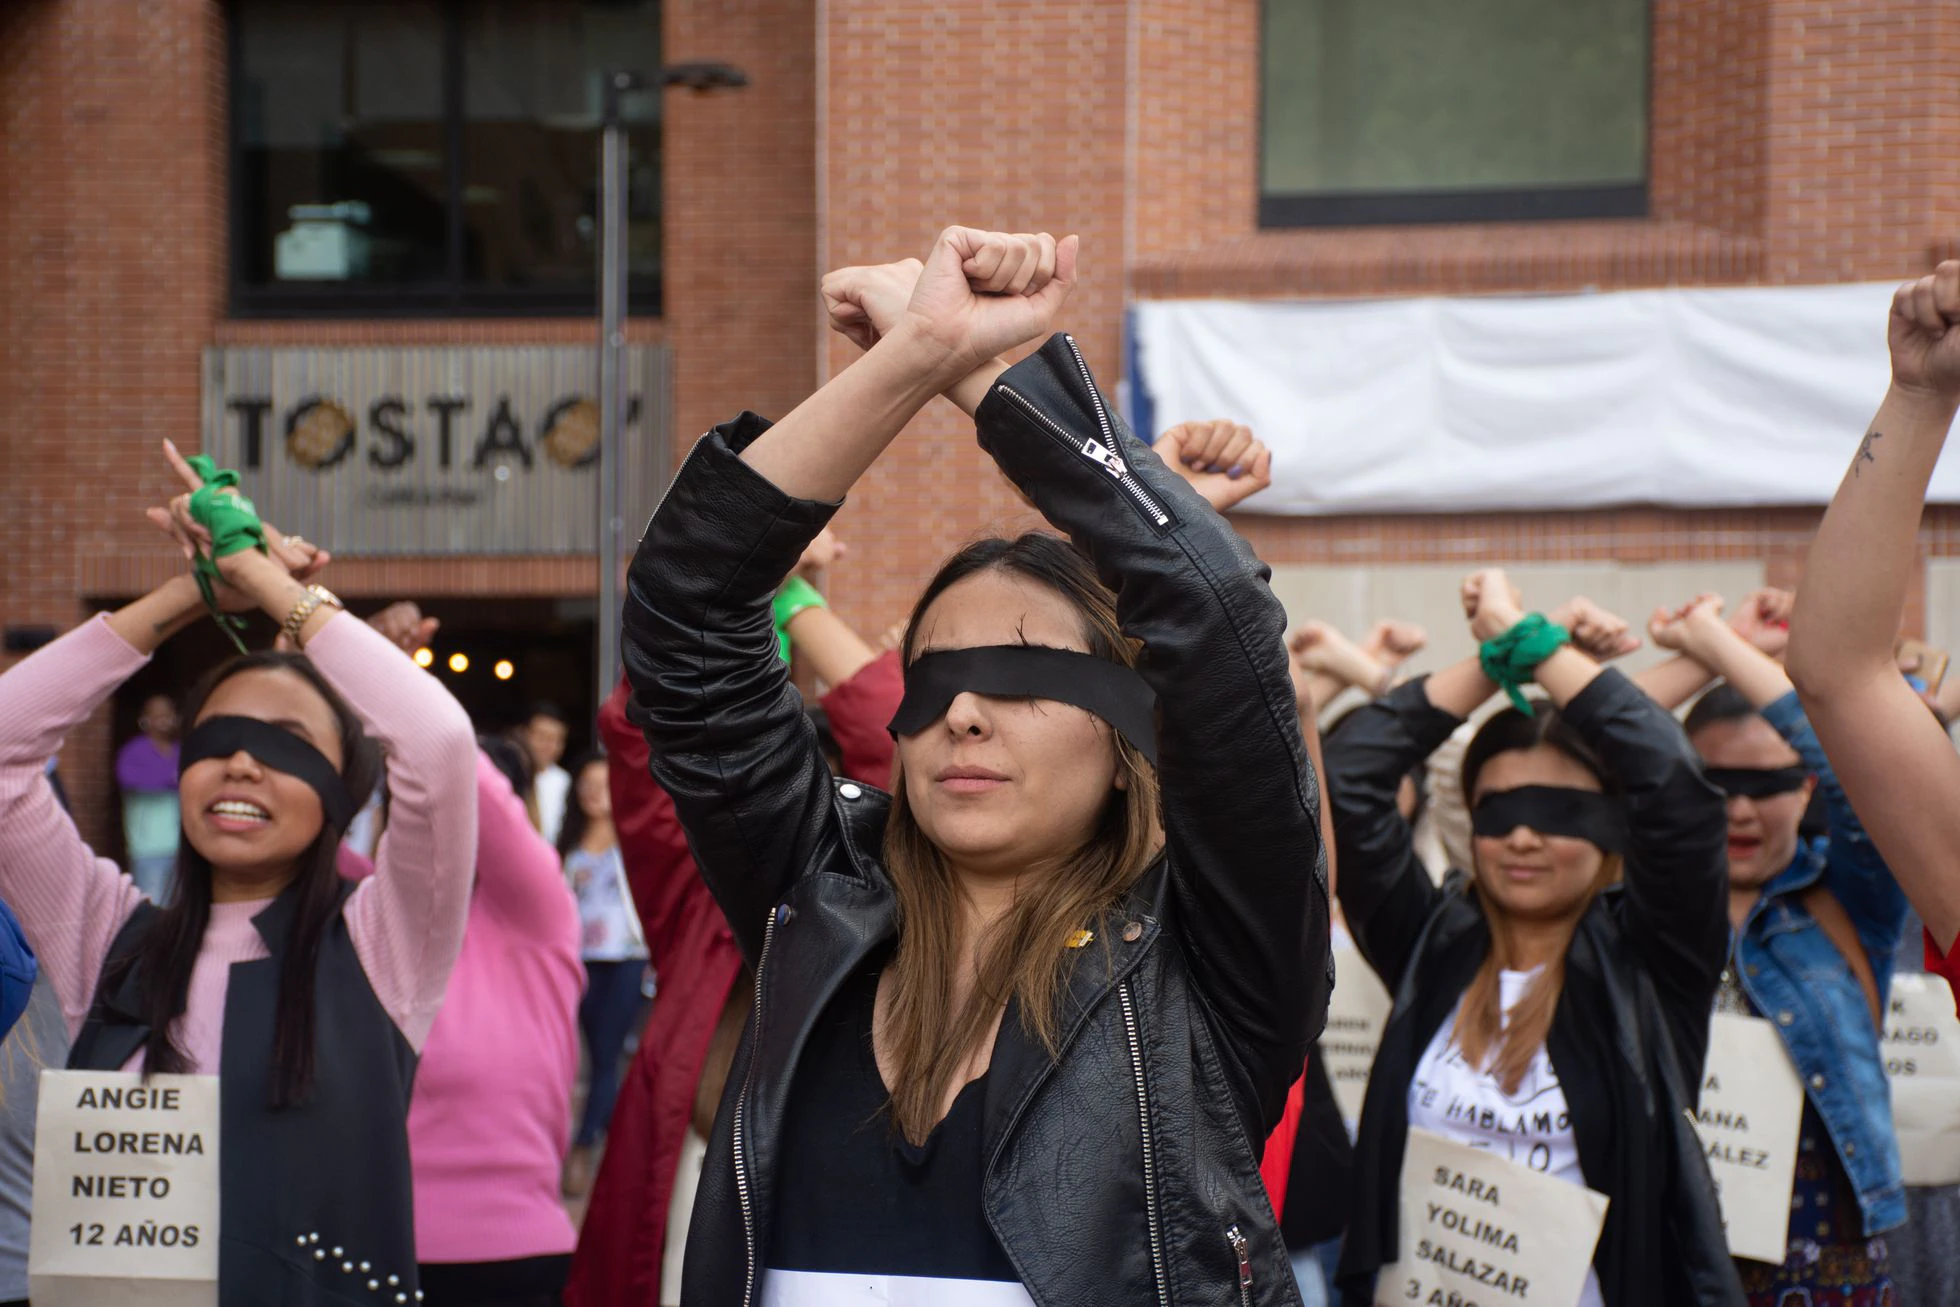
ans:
(1126, 1171)
(1630, 1032)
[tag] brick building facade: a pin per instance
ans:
(1789, 141)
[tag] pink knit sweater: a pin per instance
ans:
(406, 923)
(491, 1117)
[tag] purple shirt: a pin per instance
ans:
(140, 767)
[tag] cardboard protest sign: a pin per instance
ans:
(1922, 1056)
(125, 1191)
(1478, 1228)
(1357, 1011)
(1749, 1116)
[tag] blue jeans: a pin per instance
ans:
(606, 1016)
(1313, 1268)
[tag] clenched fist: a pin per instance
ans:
(1222, 460)
(977, 295)
(1491, 603)
(1597, 633)
(1925, 346)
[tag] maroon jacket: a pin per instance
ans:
(623, 1240)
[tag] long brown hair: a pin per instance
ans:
(1480, 1023)
(1025, 954)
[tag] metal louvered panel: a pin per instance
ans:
(490, 450)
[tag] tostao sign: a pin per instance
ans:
(435, 451)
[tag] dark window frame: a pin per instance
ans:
(1283, 210)
(454, 298)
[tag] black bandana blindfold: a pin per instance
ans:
(1756, 782)
(274, 747)
(1109, 690)
(1553, 810)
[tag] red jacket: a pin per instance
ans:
(623, 1240)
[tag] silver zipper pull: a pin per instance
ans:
(1109, 458)
(1237, 1239)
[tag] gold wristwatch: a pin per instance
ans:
(315, 596)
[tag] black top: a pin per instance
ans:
(854, 1195)
(1630, 1033)
(306, 1219)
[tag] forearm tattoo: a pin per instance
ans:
(1865, 454)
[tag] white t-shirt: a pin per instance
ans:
(1532, 1127)
(551, 785)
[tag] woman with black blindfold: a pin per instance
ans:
(1552, 1006)
(307, 997)
(1020, 1028)
(1817, 924)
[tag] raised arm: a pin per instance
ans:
(1854, 869)
(727, 736)
(1240, 800)
(70, 902)
(1898, 767)
(407, 919)
(1386, 892)
(1675, 863)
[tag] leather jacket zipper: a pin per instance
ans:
(1102, 455)
(1236, 1238)
(1149, 1153)
(742, 1191)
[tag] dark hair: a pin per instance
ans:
(546, 708)
(167, 950)
(572, 828)
(1511, 731)
(508, 757)
(1724, 703)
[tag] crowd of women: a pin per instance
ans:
(994, 976)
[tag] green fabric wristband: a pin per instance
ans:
(1511, 658)
(795, 595)
(234, 525)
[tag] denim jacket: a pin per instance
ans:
(1796, 977)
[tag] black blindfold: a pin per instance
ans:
(277, 748)
(1109, 690)
(1756, 782)
(1553, 810)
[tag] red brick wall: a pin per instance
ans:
(998, 113)
(1792, 140)
(112, 282)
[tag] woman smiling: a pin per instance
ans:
(307, 997)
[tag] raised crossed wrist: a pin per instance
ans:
(923, 354)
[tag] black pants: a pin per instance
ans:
(606, 1015)
(527, 1282)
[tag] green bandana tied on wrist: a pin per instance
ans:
(1511, 658)
(234, 526)
(796, 595)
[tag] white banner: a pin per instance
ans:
(1356, 1013)
(1476, 1228)
(1922, 1056)
(125, 1191)
(1741, 395)
(1749, 1117)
